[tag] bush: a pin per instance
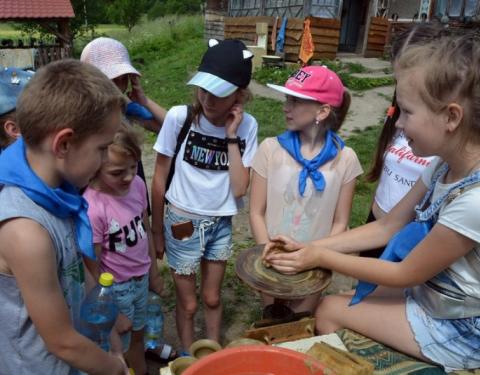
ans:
(163, 8)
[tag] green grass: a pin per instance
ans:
(364, 144)
(344, 71)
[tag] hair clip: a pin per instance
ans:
(391, 111)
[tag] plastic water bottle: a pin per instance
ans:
(154, 322)
(99, 312)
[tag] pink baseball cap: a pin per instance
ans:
(314, 83)
(109, 56)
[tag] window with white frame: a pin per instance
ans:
(456, 8)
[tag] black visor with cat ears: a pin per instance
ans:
(225, 67)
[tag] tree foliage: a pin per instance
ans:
(126, 12)
(160, 8)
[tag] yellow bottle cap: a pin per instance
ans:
(131, 371)
(105, 279)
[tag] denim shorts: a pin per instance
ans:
(211, 240)
(451, 343)
(131, 297)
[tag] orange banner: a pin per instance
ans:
(307, 47)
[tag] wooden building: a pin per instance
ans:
(357, 26)
(44, 12)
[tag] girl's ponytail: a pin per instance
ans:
(337, 114)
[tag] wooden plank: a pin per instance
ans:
(327, 41)
(376, 40)
(376, 33)
(375, 47)
(326, 48)
(290, 40)
(379, 28)
(327, 23)
(297, 35)
(379, 21)
(326, 33)
(295, 23)
(248, 36)
(241, 28)
(291, 49)
(252, 20)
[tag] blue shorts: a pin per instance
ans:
(131, 297)
(452, 343)
(211, 240)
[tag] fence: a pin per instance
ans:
(31, 55)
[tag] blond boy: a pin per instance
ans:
(68, 115)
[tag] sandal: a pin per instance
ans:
(164, 353)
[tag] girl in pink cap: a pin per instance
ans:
(303, 180)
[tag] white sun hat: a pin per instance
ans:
(110, 56)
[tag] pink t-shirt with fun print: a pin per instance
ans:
(117, 224)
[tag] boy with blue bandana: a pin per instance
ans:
(68, 115)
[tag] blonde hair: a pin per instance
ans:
(66, 94)
(127, 141)
(244, 95)
(450, 68)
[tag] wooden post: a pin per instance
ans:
(66, 38)
(307, 8)
(262, 8)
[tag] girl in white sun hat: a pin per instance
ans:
(212, 173)
(112, 58)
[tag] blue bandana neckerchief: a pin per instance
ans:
(290, 141)
(396, 250)
(63, 202)
(405, 240)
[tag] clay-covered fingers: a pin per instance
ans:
(281, 243)
(285, 262)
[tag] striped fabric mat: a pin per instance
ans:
(388, 361)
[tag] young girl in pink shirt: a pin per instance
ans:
(117, 211)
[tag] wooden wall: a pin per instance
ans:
(378, 31)
(214, 25)
(325, 34)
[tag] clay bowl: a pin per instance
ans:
(204, 347)
(179, 365)
(244, 341)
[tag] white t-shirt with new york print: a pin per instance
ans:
(201, 183)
